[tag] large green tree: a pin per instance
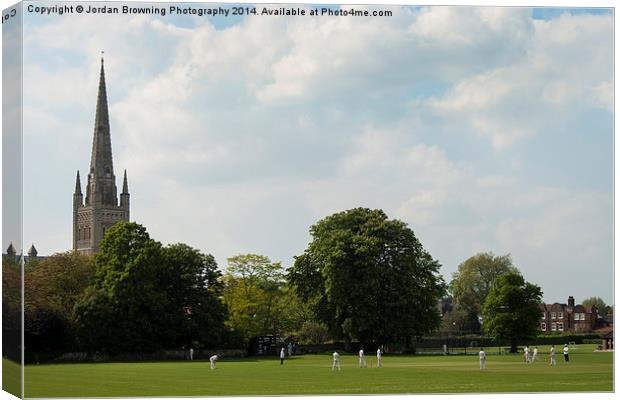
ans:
(511, 310)
(191, 281)
(258, 301)
(125, 308)
(368, 278)
(11, 309)
(52, 288)
(146, 297)
(472, 283)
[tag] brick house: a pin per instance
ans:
(569, 317)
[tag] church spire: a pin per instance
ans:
(100, 209)
(101, 157)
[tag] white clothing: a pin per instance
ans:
(336, 362)
(535, 354)
(213, 360)
(552, 356)
(191, 354)
(526, 352)
(282, 353)
(379, 354)
(483, 358)
(362, 359)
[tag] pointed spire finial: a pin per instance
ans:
(101, 56)
(78, 186)
(125, 186)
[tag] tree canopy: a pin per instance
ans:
(472, 283)
(595, 301)
(11, 310)
(512, 309)
(52, 288)
(368, 278)
(146, 297)
(257, 297)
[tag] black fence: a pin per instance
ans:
(471, 344)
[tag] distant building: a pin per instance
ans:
(11, 254)
(100, 209)
(568, 317)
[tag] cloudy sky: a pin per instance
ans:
(485, 129)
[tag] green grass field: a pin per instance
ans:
(11, 377)
(587, 371)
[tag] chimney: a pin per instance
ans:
(571, 301)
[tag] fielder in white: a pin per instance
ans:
(534, 354)
(379, 354)
(526, 353)
(213, 360)
(336, 362)
(483, 357)
(362, 359)
(552, 355)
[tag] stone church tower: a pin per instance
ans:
(100, 210)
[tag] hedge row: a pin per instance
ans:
(469, 340)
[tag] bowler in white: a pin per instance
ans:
(336, 362)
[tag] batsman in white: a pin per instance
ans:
(379, 355)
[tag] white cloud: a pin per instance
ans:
(239, 139)
(567, 62)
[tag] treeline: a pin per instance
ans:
(362, 278)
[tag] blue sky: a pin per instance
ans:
(485, 129)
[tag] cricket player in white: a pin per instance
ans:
(535, 354)
(362, 358)
(336, 362)
(552, 355)
(483, 358)
(379, 354)
(213, 360)
(526, 353)
(565, 351)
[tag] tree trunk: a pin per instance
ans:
(513, 345)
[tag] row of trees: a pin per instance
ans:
(488, 295)
(133, 295)
(363, 277)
